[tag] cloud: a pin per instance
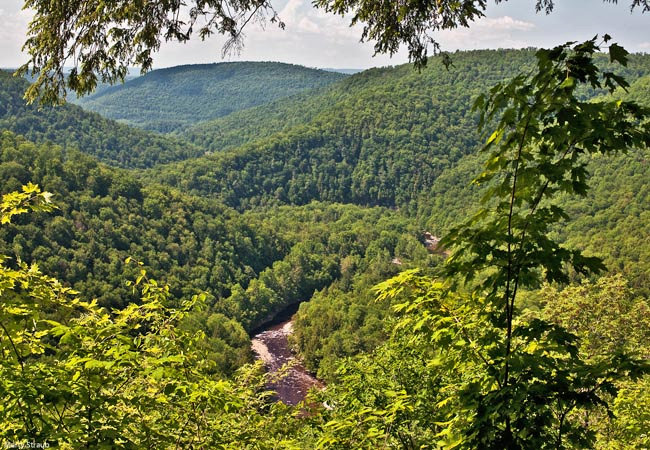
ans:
(644, 46)
(290, 11)
(503, 23)
(306, 25)
(13, 29)
(489, 32)
(303, 22)
(302, 18)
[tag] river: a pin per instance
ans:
(271, 345)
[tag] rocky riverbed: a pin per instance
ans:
(272, 347)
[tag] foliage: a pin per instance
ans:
(74, 128)
(610, 222)
(250, 266)
(332, 246)
(607, 315)
(392, 396)
(427, 385)
(380, 137)
(344, 319)
(542, 130)
(377, 138)
(168, 100)
(128, 378)
(609, 318)
(454, 366)
(468, 369)
(631, 417)
(106, 215)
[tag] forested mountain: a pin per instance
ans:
(171, 99)
(72, 127)
(314, 198)
(377, 138)
(612, 222)
(361, 141)
(250, 266)
(381, 137)
(393, 137)
(106, 214)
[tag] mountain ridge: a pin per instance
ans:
(71, 126)
(171, 99)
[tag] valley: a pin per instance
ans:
(272, 348)
(276, 196)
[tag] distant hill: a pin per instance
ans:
(378, 138)
(131, 75)
(72, 127)
(167, 100)
(402, 139)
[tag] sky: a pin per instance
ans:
(314, 38)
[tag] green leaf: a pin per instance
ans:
(618, 54)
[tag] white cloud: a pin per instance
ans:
(306, 25)
(13, 28)
(289, 13)
(489, 32)
(301, 17)
(503, 23)
(644, 46)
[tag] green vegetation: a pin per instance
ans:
(320, 197)
(511, 342)
(332, 244)
(77, 375)
(381, 140)
(611, 221)
(582, 309)
(106, 215)
(541, 132)
(249, 267)
(465, 366)
(168, 100)
(72, 127)
(380, 137)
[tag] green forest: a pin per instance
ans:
(163, 100)
(463, 252)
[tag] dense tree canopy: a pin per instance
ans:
(501, 352)
(172, 99)
(73, 128)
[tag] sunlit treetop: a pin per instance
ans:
(100, 40)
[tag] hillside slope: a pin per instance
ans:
(171, 99)
(249, 266)
(380, 137)
(72, 127)
(611, 222)
(398, 138)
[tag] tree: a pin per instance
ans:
(74, 375)
(535, 153)
(103, 39)
(465, 367)
(609, 318)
